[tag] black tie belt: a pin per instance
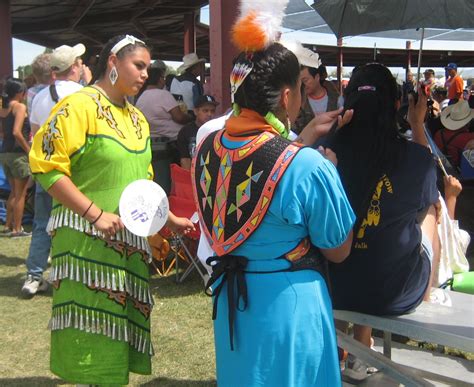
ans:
(232, 270)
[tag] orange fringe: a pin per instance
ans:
(247, 34)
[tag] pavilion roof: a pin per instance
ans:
(160, 23)
(92, 22)
(353, 56)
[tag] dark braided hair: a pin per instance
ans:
(101, 68)
(370, 145)
(273, 68)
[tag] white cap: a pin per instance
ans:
(64, 57)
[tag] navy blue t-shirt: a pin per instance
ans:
(385, 269)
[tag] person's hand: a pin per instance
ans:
(452, 187)
(345, 118)
(86, 74)
(417, 111)
(319, 126)
(328, 154)
(179, 225)
(109, 224)
(323, 122)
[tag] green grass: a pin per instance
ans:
(181, 329)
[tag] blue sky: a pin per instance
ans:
(24, 52)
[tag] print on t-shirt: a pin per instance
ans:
(373, 213)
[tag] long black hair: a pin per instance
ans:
(101, 68)
(370, 145)
(273, 68)
(12, 87)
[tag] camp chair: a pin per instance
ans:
(182, 204)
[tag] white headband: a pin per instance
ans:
(129, 39)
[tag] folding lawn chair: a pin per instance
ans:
(181, 203)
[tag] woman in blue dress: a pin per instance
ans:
(263, 203)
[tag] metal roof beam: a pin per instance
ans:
(140, 28)
(83, 7)
(148, 6)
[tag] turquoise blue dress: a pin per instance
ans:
(286, 335)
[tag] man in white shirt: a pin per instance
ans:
(68, 70)
(187, 86)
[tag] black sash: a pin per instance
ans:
(232, 270)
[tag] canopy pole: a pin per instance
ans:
(190, 33)
(222, 16)
(408, 66)
(420, 53)
(6, 57)
(340, 63)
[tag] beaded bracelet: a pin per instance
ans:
(96, 219)
(88, 208)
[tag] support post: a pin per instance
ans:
(6, 48)
(222, 52)
(189, 33)
(340, 63)
(408, 47)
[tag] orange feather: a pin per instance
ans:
(248, 35)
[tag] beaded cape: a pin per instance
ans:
(233, 188)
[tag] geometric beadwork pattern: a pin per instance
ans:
(234, 187)
(205, 181)
(243, 191)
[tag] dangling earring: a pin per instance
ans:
(113, 75)
(288, 122)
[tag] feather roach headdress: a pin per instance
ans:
(257, 27)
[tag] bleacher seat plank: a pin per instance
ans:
(450, 326)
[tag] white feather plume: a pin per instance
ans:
(269, 14)
(305, 56)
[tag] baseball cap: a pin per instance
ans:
(64, 56)
(452, 66)
(205, 99)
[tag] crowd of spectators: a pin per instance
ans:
(392, 183)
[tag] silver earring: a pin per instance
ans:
(288, 122)
(113, 75)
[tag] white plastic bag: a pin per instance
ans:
(454, 243)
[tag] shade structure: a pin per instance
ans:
(358, 17)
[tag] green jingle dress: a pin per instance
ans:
(101, 298)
